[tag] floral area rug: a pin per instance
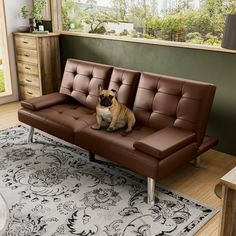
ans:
(51, 188)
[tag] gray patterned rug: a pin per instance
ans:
(52, 189)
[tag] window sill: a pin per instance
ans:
(5, 94)
(150, 41)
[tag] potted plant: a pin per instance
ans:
(37, 8)
(35, 14)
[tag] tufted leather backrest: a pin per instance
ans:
(81, 79)
(163, 101)
(125, 82)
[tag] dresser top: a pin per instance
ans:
(50, 34)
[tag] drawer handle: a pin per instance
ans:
(26, 42)
(27, 68)
(29, 93)
(26, 55)
(28, 80)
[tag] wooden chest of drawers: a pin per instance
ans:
(38, 63)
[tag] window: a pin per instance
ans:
(193, 21)
(2, 82)
(5, 76)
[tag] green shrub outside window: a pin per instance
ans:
(192, 21)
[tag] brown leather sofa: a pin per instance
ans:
(171, 114)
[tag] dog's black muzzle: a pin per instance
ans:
(106, 102)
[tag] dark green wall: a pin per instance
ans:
(218, 68)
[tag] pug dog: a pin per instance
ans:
(111, 111)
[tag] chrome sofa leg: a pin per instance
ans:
(197, 161)
(151, 191)
(31, 133)
(92, 157)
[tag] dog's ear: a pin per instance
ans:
(100, 88)
(115, 92)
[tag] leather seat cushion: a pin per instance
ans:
(119, 149)
(61, 120)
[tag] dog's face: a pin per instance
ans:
(106, 97)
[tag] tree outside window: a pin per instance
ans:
(193, 21)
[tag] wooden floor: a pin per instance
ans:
(8, 115)
(197, 183)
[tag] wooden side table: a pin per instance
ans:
(4, 215)
(228, 210)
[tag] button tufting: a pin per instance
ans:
(76, 118)
(119, 83)
(60, 112)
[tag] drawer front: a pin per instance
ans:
(27, 92)
(25, 42)
(29, 80)
(27, 55)
(27, 68)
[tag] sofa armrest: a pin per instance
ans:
(165, 141)
(45, 101)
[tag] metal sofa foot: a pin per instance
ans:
(31, 134)
(151, 191)
(92, 157)
(197, 161)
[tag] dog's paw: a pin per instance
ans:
(111, 129)
(95, 126)
(128, 130)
